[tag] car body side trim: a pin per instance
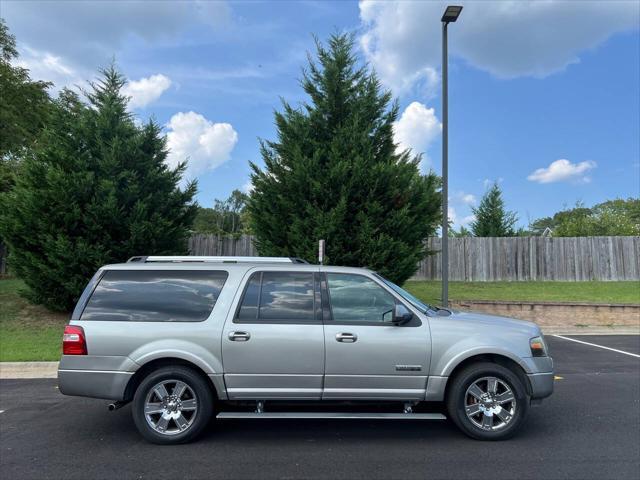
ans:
(66, 370)
(274, 390)
(274, 393)
(393, 391)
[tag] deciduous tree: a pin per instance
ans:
(24, 108)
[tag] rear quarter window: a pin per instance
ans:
(155, 295)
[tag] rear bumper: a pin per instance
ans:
(95, 376)
(94, 383)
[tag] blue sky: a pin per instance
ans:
(544, 96)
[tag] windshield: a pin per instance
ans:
(407, 296)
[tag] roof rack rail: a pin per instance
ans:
(213, 259)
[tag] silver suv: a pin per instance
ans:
(188, 338)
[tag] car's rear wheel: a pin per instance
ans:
(487, 401)
(172, 405)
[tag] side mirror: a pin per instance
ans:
(401, 315)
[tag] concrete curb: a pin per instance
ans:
(15, 370)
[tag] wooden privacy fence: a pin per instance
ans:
(494, 259)
(206, 244)
(486, 259)
(535, 258)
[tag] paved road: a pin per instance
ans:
(590, 428)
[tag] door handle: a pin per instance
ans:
(346, 337)
(239, 336)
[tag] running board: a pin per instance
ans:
(335, 415)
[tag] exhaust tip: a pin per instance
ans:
(116, 405)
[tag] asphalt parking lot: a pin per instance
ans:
(589, 428)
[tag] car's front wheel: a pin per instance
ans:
(172, 405)
(487, 401)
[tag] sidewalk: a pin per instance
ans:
(12, 370)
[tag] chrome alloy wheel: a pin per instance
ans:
(170, 413)
(490, 403)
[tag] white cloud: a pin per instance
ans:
(506, 38)
(43, 65)
(203, 144)
(416, 129)
(452, 214)
(458, 221)
(563, 170)
(66, 41)
(90, 33)
(146, 90)
(459, 203)
(467, 220)
(247, 187)
(463, 198)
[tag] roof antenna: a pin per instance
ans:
(321, 252)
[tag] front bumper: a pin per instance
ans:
(541, 376)
(541, 385)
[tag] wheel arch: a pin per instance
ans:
(499, 359)
(157, 363)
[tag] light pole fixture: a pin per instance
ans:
(450, 15)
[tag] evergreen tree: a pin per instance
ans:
(24, 107)
(492, 220)
(334, 173)
(95, 190)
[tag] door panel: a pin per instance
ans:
(278, 361)
(274, 347)
(385, 361)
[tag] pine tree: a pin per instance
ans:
(334, 173)
(95, 190)
(492, 220)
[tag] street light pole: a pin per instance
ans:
(450, 15)
(445, 170)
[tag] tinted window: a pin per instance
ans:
(155, 295)
(249, 307)
(355, 298)
(278, 296)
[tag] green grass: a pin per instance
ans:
(33, 333)
(27, 332)
(591, 292)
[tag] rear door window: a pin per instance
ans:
(278, 297)
(155, 295)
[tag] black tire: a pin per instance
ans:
(457, 398)
(199, 390)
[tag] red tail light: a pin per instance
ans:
(73, 341)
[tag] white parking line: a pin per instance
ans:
(599, 346)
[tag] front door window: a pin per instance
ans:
(355, 298)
